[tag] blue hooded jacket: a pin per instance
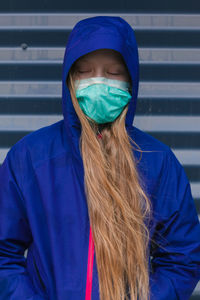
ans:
(43, 205)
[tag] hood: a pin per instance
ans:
(91, 34)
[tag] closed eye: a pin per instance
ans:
(114, 73)
(83, 71)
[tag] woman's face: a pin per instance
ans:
(101, 63)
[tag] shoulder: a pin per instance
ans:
(161, 171)
(153, 148)
(39, 145)
(147, 141)
(150, 153)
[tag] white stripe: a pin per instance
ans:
(27, 122)
(156, 56)
(188, 157)
(145, 123)
(168, 123)
(3, 152)
(25, 89)
(169, 89)
(197, 289)
(54, 89)
(55, 55)
(31, 55)
(195, 188)
(146, 21)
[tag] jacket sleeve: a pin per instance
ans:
(176, 262)
(15, 235)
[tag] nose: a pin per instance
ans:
(98, 72)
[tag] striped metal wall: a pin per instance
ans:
(31, 53)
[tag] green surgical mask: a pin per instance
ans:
(102, 99)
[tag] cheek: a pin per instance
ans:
(124, 77)
(81, 76)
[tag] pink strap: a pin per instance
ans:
(88, 292)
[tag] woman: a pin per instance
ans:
(105, 209)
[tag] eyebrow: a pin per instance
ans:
(111, 64)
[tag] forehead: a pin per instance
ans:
(103, 54)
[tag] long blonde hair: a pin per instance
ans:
(118, 207)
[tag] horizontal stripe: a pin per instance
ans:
(168, 123)
(181, 140)
(27, 122)
(48, 106)
(178, 140)
(44, 37)
(51, 71)
(146, 89)
(68, 20)
(197, 289)
(55, 55)
(3, 153)
(169, 89)
(188, 157)
(32, 54)
(30, 88)
(145, 123)
(192, 172)
(195, 188)
(30, 105)
(148, 72)
(181, 56)
(197, 204)
(9, 138)
(195, 297)
(163, 106)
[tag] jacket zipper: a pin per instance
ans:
(88, 292)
